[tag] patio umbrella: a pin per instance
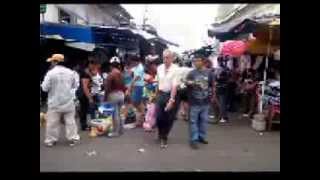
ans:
(236, 48)
(233, 48)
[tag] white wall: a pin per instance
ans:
(51, 14)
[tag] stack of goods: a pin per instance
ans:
(272, 93)
(103, 125)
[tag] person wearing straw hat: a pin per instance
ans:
(59, 82)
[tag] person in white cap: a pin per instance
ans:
(59, 82)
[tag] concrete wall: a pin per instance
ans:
(90, 14)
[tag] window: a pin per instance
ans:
(66, 18)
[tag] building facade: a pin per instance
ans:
(86, 14)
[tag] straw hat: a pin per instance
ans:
(56, 57)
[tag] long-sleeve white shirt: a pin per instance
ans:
(60, 82)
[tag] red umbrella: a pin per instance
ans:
(234, 48)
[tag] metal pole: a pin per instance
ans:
(265, 70)
(42, 14)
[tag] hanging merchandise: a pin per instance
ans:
(258, 62)
(276, 55)
(245, 62)
(230, 63)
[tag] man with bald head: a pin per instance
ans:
(166, 96)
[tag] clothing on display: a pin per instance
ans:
(272, 93)
(258, 62)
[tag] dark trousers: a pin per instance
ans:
(250, 104)
(165, 119)
(222, 98)
(231, 97)
(84, 108)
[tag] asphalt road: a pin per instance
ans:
(232, 147)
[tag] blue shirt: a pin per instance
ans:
(127, 78)
(138, 71)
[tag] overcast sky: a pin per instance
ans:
(185, 24)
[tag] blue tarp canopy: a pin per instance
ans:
(98, 35)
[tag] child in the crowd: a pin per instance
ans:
(150, 118)
(149, 87)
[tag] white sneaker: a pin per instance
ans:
(223, 121)
(129, 126)
(245, 115)
(50, 144)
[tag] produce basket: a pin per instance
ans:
(104, 123)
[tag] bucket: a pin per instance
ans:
(259, 123)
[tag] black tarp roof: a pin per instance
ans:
(233, 30)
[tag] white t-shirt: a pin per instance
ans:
(97, 82)
(166, 80)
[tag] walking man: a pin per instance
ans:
(166, 107)
(59, 82)
(199, 82)
(222, 78)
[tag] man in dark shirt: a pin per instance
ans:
(222, 78)
(199, 82)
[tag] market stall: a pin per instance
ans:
(266, 43)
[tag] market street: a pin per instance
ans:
(232, 147)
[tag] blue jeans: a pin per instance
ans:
(198, 122)
(97, 99)
(137, 93)
(117, 99)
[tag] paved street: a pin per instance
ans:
(232, 147)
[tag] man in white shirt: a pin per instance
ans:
(167, 90)
(59, 82)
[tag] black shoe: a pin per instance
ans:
(194, 145)
(203, 141)
(74, 142)
(85, 128)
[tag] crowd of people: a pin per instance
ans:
(147, 94)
